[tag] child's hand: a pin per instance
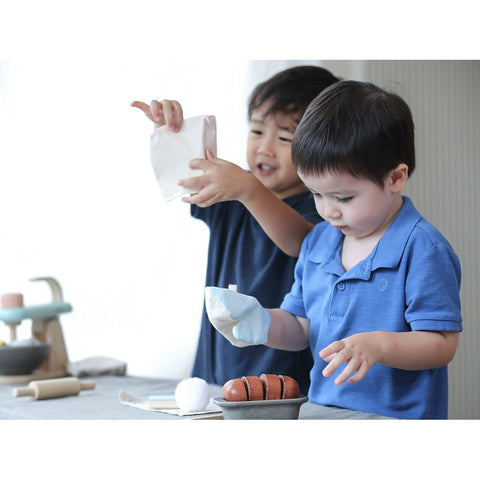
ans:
(360, 351)
(239, 318)
(165, 112)
(221, 181)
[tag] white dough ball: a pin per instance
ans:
(192, 394)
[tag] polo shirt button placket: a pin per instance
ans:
(341, 286)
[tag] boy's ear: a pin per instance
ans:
(398, 177)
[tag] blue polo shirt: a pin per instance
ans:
(410, 281)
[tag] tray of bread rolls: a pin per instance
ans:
(266, 397)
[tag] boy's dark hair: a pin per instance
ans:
(356, 128)
(290, 91)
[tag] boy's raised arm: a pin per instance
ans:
(224, 181)
(284, 225)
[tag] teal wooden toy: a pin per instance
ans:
(46, 357)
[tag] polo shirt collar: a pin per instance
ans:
(389, 250)
(386, 254)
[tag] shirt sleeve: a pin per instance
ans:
(197, 212)
(433, 290)
(209, 215)
(293, 301)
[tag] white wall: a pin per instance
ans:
(80, 203)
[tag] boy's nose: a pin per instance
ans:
(266, 146)
(330, 211)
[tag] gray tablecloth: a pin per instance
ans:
(103, 403)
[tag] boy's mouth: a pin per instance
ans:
(264, 169)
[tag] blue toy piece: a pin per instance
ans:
(47, 310)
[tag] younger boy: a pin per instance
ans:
(249, 213)
(376, 291)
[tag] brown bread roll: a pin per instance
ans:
(265, 387)
(255, 388)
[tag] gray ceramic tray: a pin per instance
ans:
(287, 409)
(22, 360)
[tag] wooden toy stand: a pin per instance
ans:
(47, 329)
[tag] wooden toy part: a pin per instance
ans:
(57, 294)
(58, 387)
(49, 330)
(13, 331)
(12, 300)
(46, 328)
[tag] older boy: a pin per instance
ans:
(376, 291)
(249, 213)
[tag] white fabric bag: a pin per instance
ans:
(171, 152)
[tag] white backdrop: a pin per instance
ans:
(80, 201)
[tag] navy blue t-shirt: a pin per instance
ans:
(240, 253)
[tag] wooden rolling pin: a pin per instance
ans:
(59, 387)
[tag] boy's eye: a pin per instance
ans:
(256, 132)
(285, 139)
(344, 199)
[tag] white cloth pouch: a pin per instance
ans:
(171, 152)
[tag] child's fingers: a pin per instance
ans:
(192, 183)
(360, 375)
(329, 350)
(332, 354)
(192, 199)
(173, 114)
(210, 156)
(201, 199)
(178, 111)
(144, 108)
(351, 367)
(354, 371)
(199, 163)
(156, 111)
(341, 352)
(164, 112)
(335, 361)
(329, 358)
(141, 105)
